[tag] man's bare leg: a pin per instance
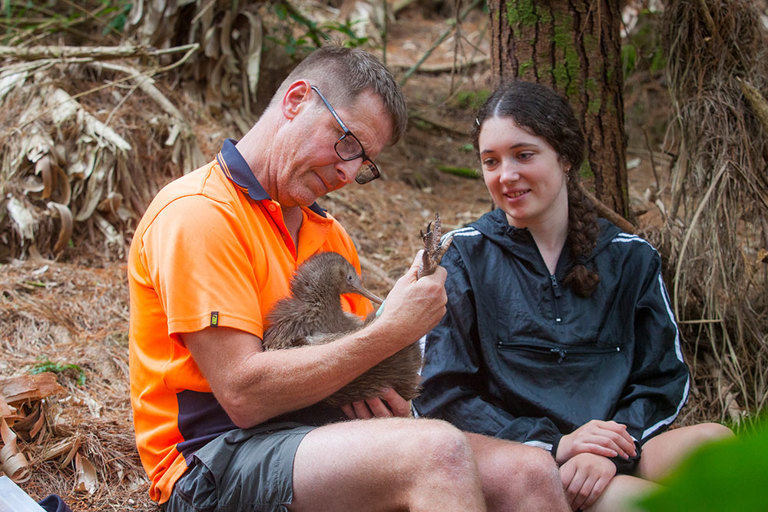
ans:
(386, 464)
(517, 477)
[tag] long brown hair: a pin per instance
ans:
(546, 114)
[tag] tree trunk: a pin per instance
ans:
(575, 47)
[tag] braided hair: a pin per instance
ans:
(546, 114)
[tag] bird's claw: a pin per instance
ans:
(433, 247)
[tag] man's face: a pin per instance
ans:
(307, 165)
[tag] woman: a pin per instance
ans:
(558, 331)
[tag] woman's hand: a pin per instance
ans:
(605, 438)
(585, 476)
(389, 404)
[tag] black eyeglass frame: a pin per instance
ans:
(360, 179)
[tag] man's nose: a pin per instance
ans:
(347, 170)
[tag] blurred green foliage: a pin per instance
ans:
(729, 475)
(26, 21)
(471, 100)
(642, 49)
(312, 35)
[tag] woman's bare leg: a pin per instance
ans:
(665, 451)
(621, 494)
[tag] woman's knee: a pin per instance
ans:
(708, 432)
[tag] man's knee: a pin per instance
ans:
(439, 445)
(539, 468)
(533, 468)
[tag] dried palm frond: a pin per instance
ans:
(69, 164)
(227, 70)
(718, 224)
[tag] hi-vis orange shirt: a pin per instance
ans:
(212, 250)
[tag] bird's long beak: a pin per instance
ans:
(368, 294)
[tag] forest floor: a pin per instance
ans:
(75, 312)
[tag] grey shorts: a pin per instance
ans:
(243, 470)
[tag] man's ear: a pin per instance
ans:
(295, 98)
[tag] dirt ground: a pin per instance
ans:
(76, 313)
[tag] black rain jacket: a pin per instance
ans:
(519, 356)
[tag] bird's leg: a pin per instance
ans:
(433, 248)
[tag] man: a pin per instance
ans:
(223, 425)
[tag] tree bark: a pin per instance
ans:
(574, 46)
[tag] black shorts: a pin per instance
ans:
(242, 470)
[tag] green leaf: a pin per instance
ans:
(729, 475)
(464, 172)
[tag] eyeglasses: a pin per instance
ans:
(348, 148)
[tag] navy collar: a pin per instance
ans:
(239, 172)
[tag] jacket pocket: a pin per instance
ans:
(570, 384)
(559, 352)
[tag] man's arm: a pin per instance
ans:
(253, 385)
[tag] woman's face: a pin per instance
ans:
(523, 173)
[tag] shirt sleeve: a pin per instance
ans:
(455, 382)
(658, 384)
(200, 267)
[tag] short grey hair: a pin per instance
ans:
(342, 74)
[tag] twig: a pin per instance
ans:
(400, 5)
(439, 124)
(384, 32)
(689, 232)
(606, 212)
(333, 196)
(441, 68)
(191, 48)
(440, 39)
(708, 19)
(756, 101)
(653, 161)
(371, 267)
(88, 52)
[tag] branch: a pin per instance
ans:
(421, 116)
(441, 68)
(756, 101)
(606, 212)
(440, 39)
(90, 52)
(376, 270)
(400, 5)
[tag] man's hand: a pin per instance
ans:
(606, 438)
(389, 404)
(414, 306)
(585, 476)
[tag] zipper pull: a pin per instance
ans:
(555, 285)
(560, 352)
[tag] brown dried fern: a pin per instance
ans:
(719, 213)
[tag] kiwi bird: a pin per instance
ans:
(312, 315)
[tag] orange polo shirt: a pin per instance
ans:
(211, 250)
